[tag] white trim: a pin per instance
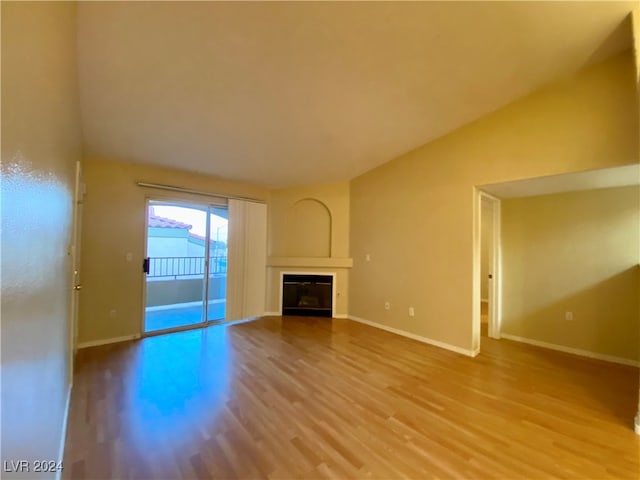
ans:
(636, 427)
(484, 300)
(190, 191)
(495, 315)
(63, 434)
(309, 272)
(95, 343)
(76, 277)
(435, 343)
(171, 306)
(309, 262)
(143, 276)
(234, 322)
(495, 285)
(340, 315)
(573, 351)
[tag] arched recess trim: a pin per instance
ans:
(310, 226)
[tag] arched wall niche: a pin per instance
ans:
(309, 229)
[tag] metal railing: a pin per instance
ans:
(186, 266)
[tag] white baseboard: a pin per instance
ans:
(341, 315)
(574, 351)
(636, 427)
(236, 322)
(95, 343)
(435, 343)
(63, 434)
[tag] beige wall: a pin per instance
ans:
(573, 252)
(285, 231)
(298, 243)
(113, 225)
(636, 36)
(414, 215)
(40, 145)
(635, 21)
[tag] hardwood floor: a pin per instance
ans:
(313, 398)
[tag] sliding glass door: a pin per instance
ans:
(185, 266)
(217, 274)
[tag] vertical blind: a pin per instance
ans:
(247, 259)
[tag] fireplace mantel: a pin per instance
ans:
(339, 267)
(310, 262)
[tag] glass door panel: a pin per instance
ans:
(217, 285)
(177, 268)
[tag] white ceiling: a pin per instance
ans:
(283, 94)
(593, 179)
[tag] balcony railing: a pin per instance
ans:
(186, 266)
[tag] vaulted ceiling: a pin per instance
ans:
(283, 94)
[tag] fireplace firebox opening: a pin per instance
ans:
(307, 294)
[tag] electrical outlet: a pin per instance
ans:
(568, 315)
(387, 306)
(367, 257)
(412, 312)
(113, 313)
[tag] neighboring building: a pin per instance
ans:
(174, 250)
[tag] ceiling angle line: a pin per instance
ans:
(172, 188)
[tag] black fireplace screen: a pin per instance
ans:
(309, 295)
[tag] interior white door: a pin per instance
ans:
(495, 290)
(75, 277)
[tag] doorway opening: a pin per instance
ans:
(185, 265)
(487, 300)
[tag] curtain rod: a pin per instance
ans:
(196, 192)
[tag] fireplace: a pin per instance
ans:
(307, 294)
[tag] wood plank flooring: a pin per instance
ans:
(320, 398)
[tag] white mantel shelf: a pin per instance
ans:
(313, 262)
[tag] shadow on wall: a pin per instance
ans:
(621, 36)
(605, 318)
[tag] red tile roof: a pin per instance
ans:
(161, 222)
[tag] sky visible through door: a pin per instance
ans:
(194, 218)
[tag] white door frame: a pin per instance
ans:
(75, 278)
(495, 265)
